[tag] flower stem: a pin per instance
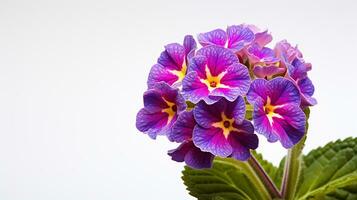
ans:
(268, 183)
(292, 170)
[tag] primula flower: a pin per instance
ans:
(297, 71)
(277, 114)
(187, 151)
(263, 61)
(222, 129)
(172, 64)
(215, 72)
(162, 104)
(234, 38)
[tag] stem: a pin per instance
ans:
(292, 171)
(268, 183)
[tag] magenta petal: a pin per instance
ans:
(153, 101)
(173, 56)
(159, 73)
(205, 114)
(238, 37)
(267, 71)
(152, 124)
(291, 127)
(261, 122)
(194, 90)
(307, 89)
(263, 38)
(198, 65)
(212, 140)
(243, 140)
(189, 44)
(215, 37)
(183, 127)
(237, 79)
(257, 91)
(282, 91)
(218, 58)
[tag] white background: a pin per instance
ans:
(72, 74)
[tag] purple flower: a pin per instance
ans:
(187, 151)
(171, 66)
(234, 38)
(215, 72)
(277, 114)
(222, 129)
(297, 71)
(162, 104)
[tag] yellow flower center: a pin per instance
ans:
(170, 110)
(269, 110)
(226, 124)
(180, 73)
(213, 82)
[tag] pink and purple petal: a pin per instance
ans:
(159, 73)
(153, 101)
(190, 46)
(198, 64)
(239, 37)
(171, 94)
(194, 90)
(307, 89)
(152, 124)
(237, 81)
(290, 128)
(258, 54)
(212, 140)
(192, 156)
(261, 122)
(257, 91)
(267, 71)
(183, 128)
(243, 140)
(282, 91)
(263, 38)
(217, 58)
(235, 110)
(206, 114)
(215, 37)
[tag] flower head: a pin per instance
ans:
(222, 129)
(162, 104)
(172, 64)
(187, 151)
(277, 114)
(235, 37)
(214, 72)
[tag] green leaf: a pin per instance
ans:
(228, 179)
(330, 172)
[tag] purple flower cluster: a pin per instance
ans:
(198, 97)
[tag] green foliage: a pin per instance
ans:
(328, 172)
(228, 179)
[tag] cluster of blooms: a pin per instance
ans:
(199, 98)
